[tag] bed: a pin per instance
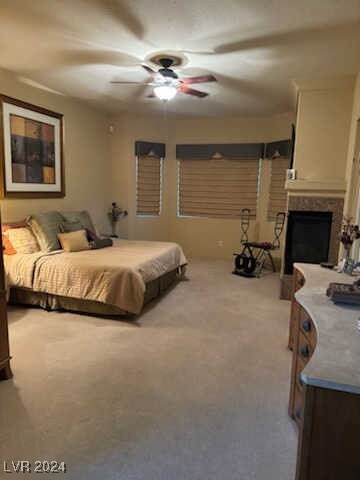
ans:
(117, 280)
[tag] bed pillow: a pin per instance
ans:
(92, 237)
(79, 216)
(46, 227)
(23, 240)
(67, 227)
(74, 241)
(101, 243)
(8, 248)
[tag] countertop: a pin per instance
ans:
(335, 363)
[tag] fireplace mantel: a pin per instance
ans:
(308, 187)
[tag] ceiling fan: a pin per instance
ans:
(167, 83)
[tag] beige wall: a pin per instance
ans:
(354, 144)
(100, 167)
(86, 152)
(128, 129)
(322, 131)
(199, 237)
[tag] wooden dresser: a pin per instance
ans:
(5, 370)
(325, 378)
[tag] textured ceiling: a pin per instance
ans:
(255, 48)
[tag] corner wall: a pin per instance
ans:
(350, 206)
(86, 155)
(201, 236)
(198, 236)
(322, 130)
(127, 129)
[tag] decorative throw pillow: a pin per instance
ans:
(45, 227)
(67, 227)
(92, 237)
(101, 243)
(79, 216)
(74, 241)
(22, 240)
(8, 248)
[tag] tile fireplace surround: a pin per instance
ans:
(309, 203)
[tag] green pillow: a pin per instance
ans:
(67, 227)
(46, 227)
(79, 216)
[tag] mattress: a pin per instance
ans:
(24, 296)
(119, 276)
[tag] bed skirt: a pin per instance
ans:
(25, 296)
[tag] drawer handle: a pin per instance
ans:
(301, 282)
(304, 351)
(298, 413)
(306, 325)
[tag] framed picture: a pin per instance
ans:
(31, 150)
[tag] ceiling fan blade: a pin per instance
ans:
(199, 79)
(190, 91)
(151, 95)
(149, 70)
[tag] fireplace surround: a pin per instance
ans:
(328, 210)
(307, 238)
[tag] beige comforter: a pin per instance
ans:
(116, 275)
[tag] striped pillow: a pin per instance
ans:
(22, 240)
(8, 248)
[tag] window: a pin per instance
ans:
(277, 195)
(217, 188)
(148, 186)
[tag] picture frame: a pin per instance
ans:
(31, 151)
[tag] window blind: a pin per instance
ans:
(277, 196)
(218, 188)
(148, 185)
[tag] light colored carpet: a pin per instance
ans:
(196, 389)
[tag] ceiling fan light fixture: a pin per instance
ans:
(165, 92)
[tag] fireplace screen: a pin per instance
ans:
(307, 238)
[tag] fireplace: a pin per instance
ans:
(307, 238)
(314, 224)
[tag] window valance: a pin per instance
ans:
(149, 149)
(281, 148)
(237, 151)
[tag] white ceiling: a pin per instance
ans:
(255, 48)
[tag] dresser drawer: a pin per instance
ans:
(307, 328)
(305, 347)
